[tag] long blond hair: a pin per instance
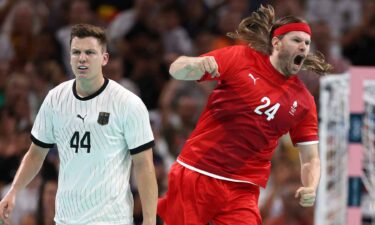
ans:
(257, 30)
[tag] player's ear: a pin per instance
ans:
(105, 58)
(276, 42)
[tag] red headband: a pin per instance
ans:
(292, 27)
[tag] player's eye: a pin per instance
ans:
(90, 52)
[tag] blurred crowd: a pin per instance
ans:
(145, 36)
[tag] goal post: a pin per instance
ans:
(330, 206)
(346, 130)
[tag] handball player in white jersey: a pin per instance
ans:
(99, 128)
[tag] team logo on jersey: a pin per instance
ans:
(293, 108)
(103, 118)
(254, 79)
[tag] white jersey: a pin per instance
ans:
(95, 137)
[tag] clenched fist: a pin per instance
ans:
(6, 207)
(193, 68)
(206, 64)
(306, 196)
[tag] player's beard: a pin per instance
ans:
(286, 63)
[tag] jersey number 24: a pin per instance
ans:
(270, 112)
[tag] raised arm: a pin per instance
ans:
(147, 187)
(193, 68)
(310, 174)
(30, 166)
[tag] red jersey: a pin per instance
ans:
(252, 106)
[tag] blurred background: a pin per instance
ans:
(145, 36)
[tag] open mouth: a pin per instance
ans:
(82, 68)
(299, 59)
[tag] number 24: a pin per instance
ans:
(269, 112)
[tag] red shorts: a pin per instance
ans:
(196, 199)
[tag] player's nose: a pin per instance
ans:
(82, 57)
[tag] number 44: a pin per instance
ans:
(77, 143)
(270, 113)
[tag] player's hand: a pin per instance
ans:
(306, 196)
(207, 64)
(6, 207)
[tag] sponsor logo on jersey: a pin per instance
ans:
(82, 118)
(103, 118)
(293, 108)
(254, 79)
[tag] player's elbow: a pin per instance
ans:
(178, 68)
(173, 71)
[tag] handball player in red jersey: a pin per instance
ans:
(259, 98)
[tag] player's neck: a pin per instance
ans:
(86, 87)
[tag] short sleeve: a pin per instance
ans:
(137, 128)
(225, 60)
(306, 131)
(42, 131)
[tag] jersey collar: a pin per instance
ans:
(101, 89)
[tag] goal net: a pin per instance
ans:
(368, 133)
(331, 200)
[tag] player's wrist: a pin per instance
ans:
(312, 187)
(12, 192)
(149, 221)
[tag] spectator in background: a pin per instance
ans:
(115, 70)
(359, 42)
(288, 7)
(16, 95)
(203, 42)
(180, 105)
(161, 146)
(239, 6)
(29, 219)
(186, 108)
(8, 157)
(107, 10)
(46, 205)
(176, 40)
(47, 47)
(227, 22)
(44, 74)
(18, 32)
(323, 41)
(197, 17)
(340, 15)
(145, 63)
(139, 15)
(5, 8)
(4, 76)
